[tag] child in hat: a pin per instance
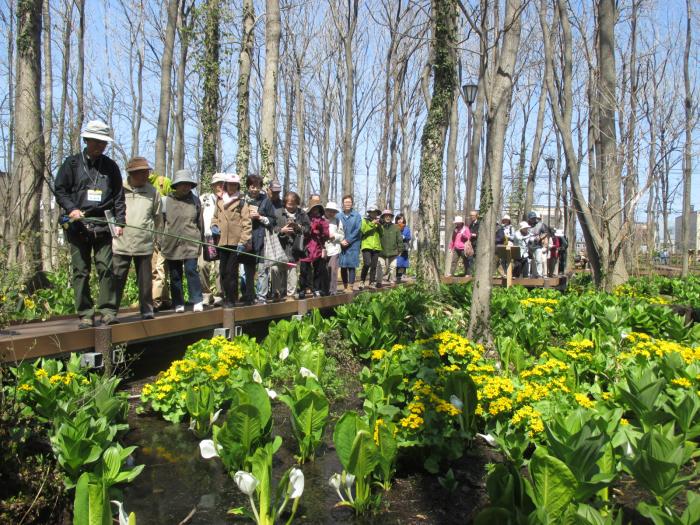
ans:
(313, 264)
(460, 245)
(392, 244)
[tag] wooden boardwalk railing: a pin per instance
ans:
(59, 336)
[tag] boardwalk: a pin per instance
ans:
(41, 339)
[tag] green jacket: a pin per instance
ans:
(370, 236)
(392, 242)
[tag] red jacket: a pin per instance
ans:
(316, 239)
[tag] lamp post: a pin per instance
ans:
(550, 167)
(469, 93)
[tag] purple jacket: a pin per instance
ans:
(316, 239)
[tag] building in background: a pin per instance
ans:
(693, 221)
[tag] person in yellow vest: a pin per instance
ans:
(161, 291)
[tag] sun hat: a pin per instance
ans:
(137, 164)
(524, 225)
(387, 212)
(332, 206)
(458, 220)
(373, 207)
(183, 176)
(506, 217)
(97, 130)
(231, 178)
(316, 205)
(218, 177)
(275, 186)
(559, 233)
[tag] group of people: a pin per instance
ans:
(542, 250)
(239, 243)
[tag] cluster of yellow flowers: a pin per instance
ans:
(412, 421)
(579, 350)
(65, 378)
(648, 348)
(450, 343)
(626, 290)
(378, 423)
(550, 367)
(29, 304)
(24, 387)
(682, 382)
(530, 416)
(378, 355)
(546, 304)
(584, 400)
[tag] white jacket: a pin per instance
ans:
(208, 201)
(337, 234)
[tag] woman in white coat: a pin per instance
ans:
(333, 247)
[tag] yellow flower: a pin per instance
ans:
(377, 355)
(40, 372)
(502, 404)
(160, 395)
(623, 421)
(377, 424)
(412, 421)
(606, 396)
(24, 387)
(147, 390)
(28, 303)
(682, 382)
(56, 378)
(582, 399)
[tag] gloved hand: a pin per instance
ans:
(215, 230)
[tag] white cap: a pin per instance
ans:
(558, 233)
(332, 206)
(218, 177)
(97, 130)
(458, 220)
(506, 217)
(524, 225)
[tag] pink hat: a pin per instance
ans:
(232, 178)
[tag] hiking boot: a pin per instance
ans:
(198, 307)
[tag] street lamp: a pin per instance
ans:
(550, 167)
(469, 93)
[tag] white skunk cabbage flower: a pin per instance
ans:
(257, 377)
(349, 480)
(456, 402)
(271, 393)
(246, 482)
(305, 372)
(490, 440)
(209, 449)
(296, 483)
(284, 353)
(123, 518)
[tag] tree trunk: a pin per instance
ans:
(433, 141)
(288, 129)
(687, 148)
(500, 91)
(210, 103)
(536, 152)
(47, 221)
(80, 78)
(166, 71)
(301, 138)
(184, 30)
(631, 181)
(28, 165)
(450, 179)
(348, 149)
(269, 97)
(244, 66)
(65, 71)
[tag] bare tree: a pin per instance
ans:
(498, 76)
(687, 148)
(433, 140)
(244, 68)
(28, 163)
(47, 222)
(269, 100)
(166, 71)
(210, 103)
(80, 77)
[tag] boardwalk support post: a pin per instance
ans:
(103, 345)
(302, 307)
(229, 322)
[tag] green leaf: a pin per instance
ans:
(245, 423)
(344, 434)
(81, 501)
(554, 484)
(364, 455)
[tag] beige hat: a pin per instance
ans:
(97, 130)
(506, 217)
(137, 164)
(524, 225)
(458, 220)
(332, 206)
(218, 177)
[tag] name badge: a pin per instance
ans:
(94, 195)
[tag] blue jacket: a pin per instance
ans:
(402, 259)
(350, 256)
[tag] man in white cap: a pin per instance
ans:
(521, 239)
(208, 267)
(88, 184)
